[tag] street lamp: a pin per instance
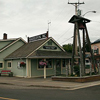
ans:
(88, 12)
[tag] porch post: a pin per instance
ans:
(28, 68)
(45, 70)
(69, 67)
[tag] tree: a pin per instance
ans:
(68, 47)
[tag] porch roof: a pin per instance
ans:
(50, 54)
(47, 54)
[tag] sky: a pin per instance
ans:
(27, 18)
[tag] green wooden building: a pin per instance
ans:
(7, 46)
(23, 59)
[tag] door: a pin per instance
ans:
(58, 67)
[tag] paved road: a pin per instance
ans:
(11, 92)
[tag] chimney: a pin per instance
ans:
(4, 36)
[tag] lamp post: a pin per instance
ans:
(88, 12)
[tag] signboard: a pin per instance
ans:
(50, 47)
(38, 37)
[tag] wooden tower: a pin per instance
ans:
(80, 24)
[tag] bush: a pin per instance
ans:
(77, 70)
(11, 74)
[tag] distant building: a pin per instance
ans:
(96, 47)
(96, 51)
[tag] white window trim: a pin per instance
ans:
(3, 64)
(7, 64)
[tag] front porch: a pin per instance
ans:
(54, 67)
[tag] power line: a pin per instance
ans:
(64, 33)
(63, 19)
(67, 39)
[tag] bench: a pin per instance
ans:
(5, 72)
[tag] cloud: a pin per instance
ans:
(30, 17)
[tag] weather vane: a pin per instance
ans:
(49, 22)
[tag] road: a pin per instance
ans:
(11, 92)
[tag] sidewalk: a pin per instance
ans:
(45, 83)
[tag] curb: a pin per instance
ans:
(6, 83)
(55, 87)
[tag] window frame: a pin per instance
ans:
(3, 64)
(8, 66)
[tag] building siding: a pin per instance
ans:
(9, 50)
(17, 71)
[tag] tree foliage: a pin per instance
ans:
(68, 47)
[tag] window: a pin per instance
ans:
(1, 65)
(9, 64)
(87, 61)
(48, 61)
(63, 63)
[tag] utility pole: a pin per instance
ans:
(75, 34)
(77, 14)
(76, 6)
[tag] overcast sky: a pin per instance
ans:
(21, 18)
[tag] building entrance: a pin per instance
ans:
(58, 67)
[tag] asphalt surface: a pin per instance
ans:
(13, 92)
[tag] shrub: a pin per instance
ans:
(77, 70)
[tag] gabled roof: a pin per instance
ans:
(97, 41)
(28, 50)
(10, 43)
(78, 19)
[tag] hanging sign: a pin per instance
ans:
(38, 37)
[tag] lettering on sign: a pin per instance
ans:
(50, 47)
(38, 37)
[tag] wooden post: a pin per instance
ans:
(69, 67)
(27, 68)
(44, 72)
(90, 69)
(73, 50)
(66, 70)
(54, 70)
(84, 50)
(99, 66)
(80, 51)
(92, 56)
